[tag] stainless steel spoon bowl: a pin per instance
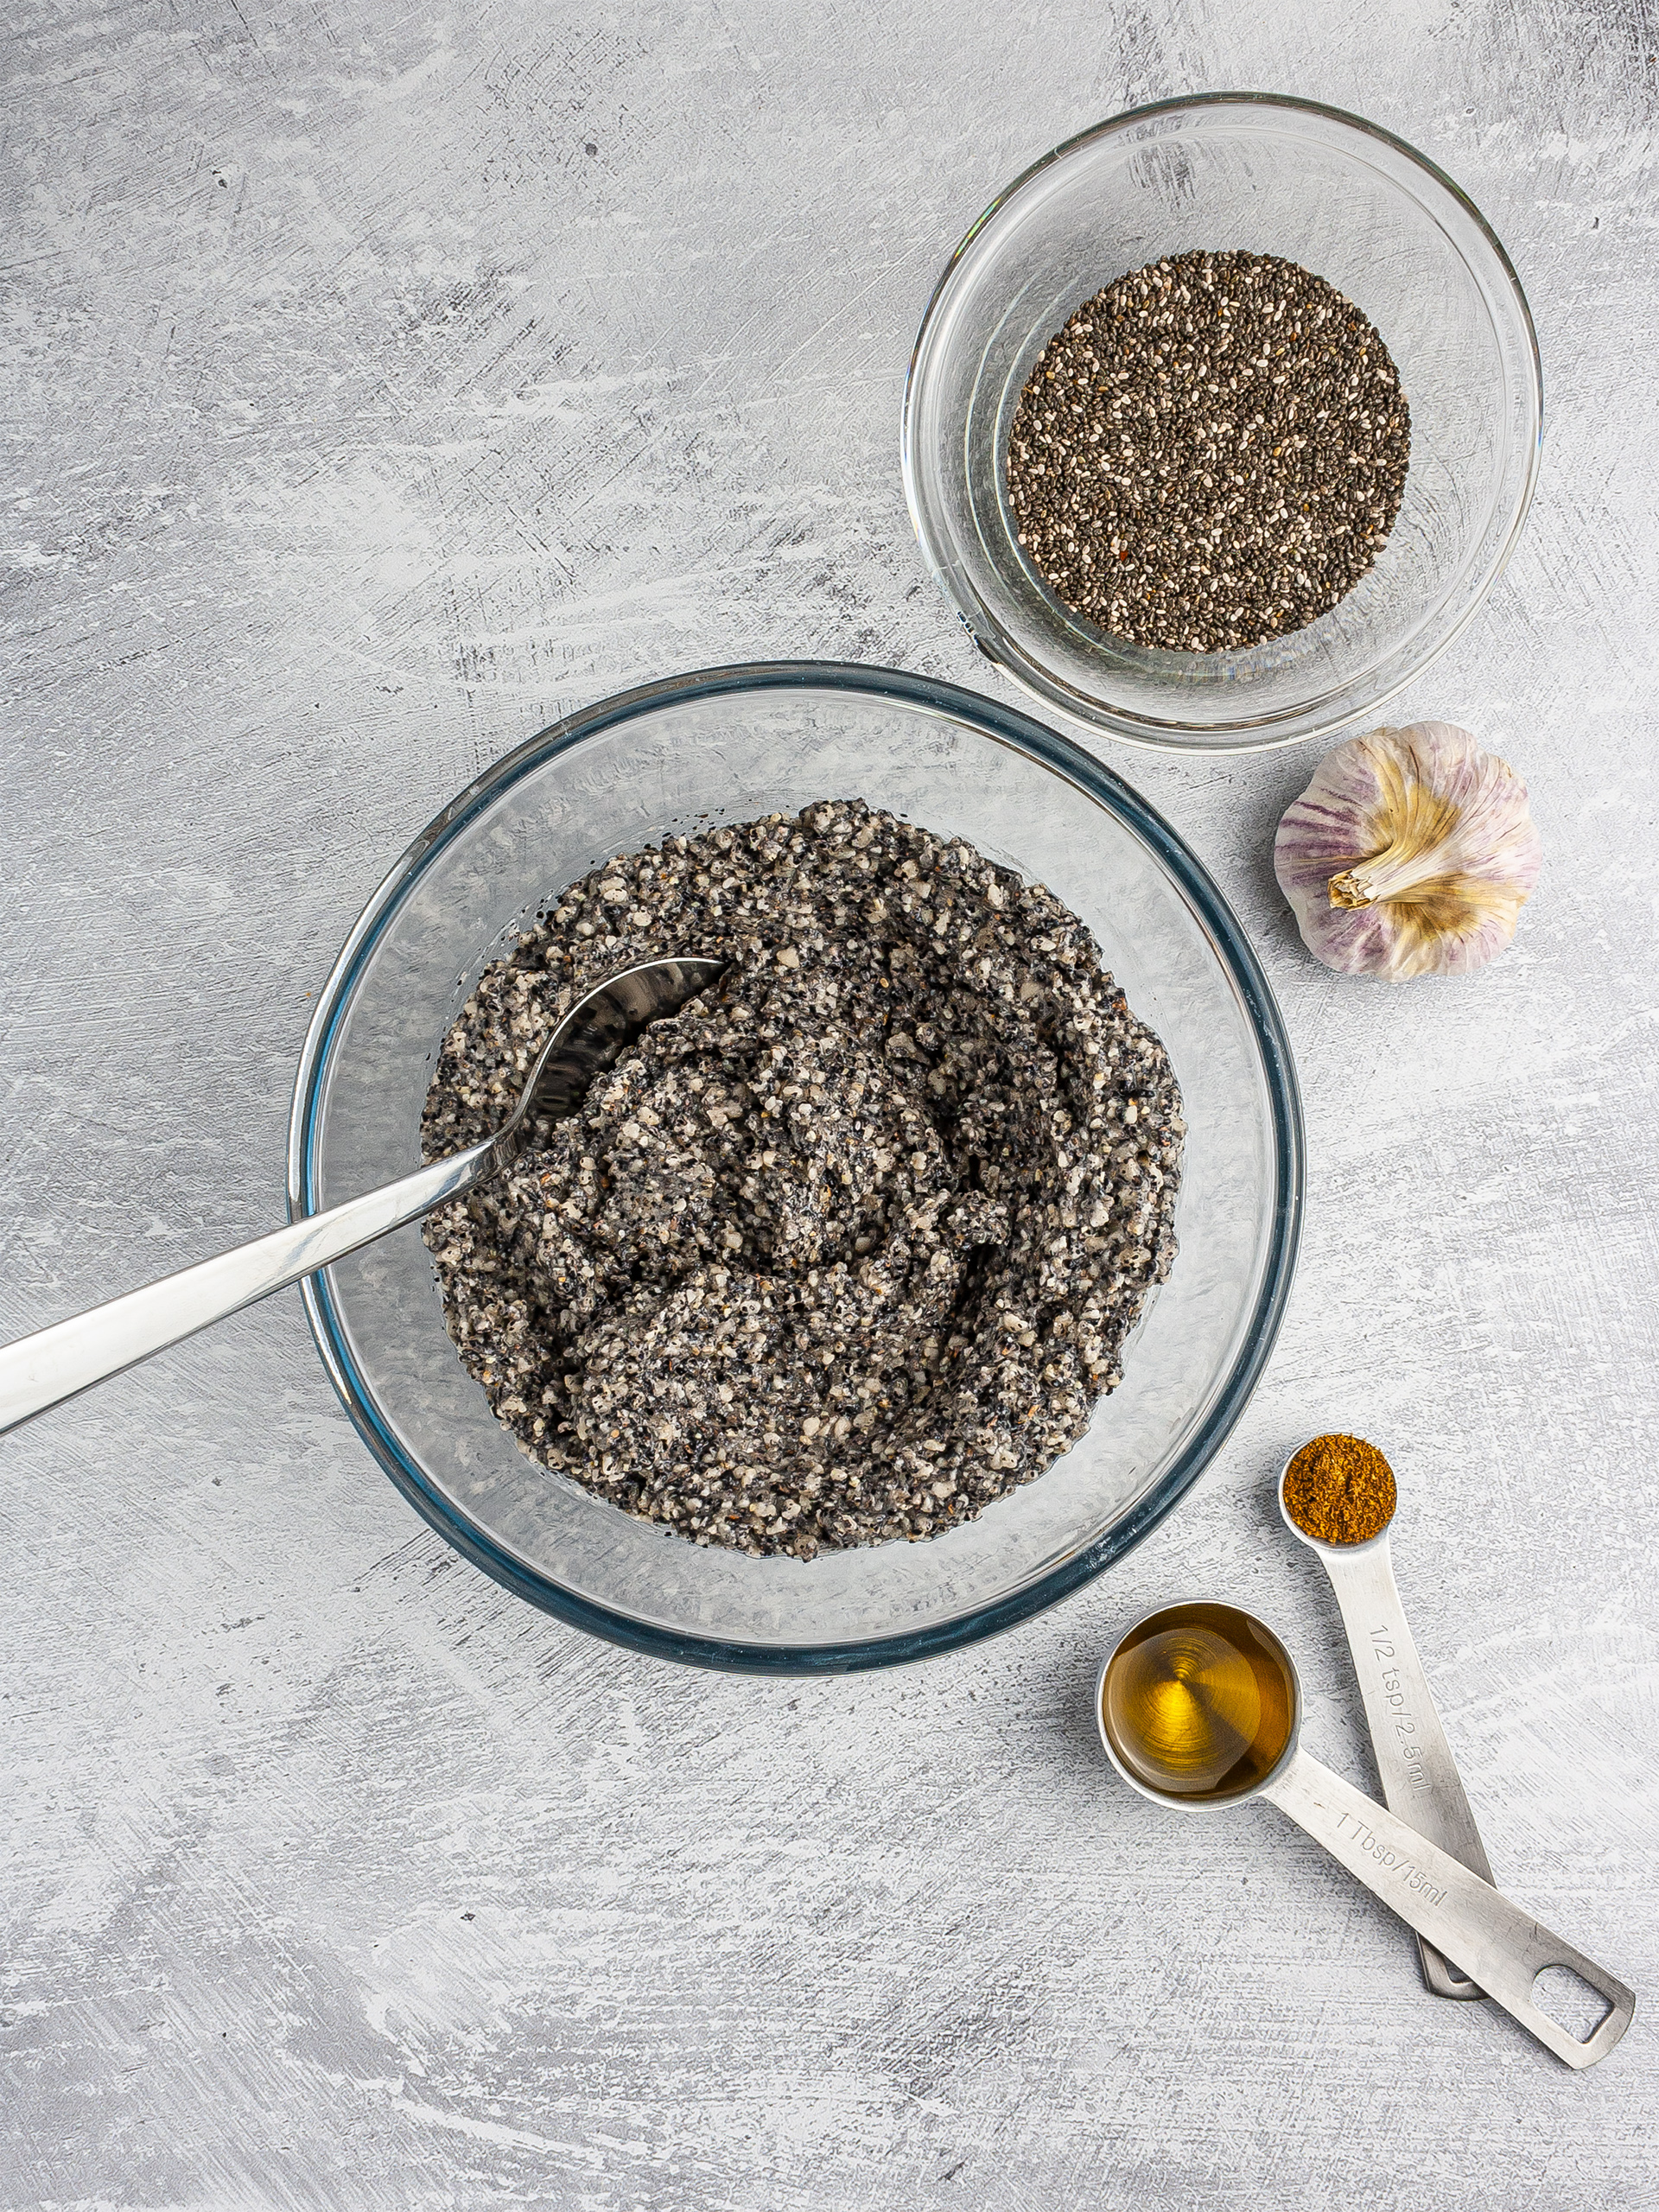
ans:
(1414, 1764)
(42, 1369)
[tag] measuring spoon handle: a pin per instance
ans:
(1497, 1944)
(1414, 1764)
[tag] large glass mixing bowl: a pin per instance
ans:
(726, 746)
(1358, 207)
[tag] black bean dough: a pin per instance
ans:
(849, 1246)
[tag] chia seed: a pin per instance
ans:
(1211, 451)
(850, 1246)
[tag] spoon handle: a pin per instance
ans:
(1414, 1764)
(1497, 1945)
(54, 1363)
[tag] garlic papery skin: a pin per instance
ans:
(1411, 853)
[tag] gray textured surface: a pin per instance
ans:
(382, 384)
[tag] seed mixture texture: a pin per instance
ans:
(849, 1246)
(1211, 451)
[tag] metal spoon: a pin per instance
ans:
(42, 1369)
(1497, 1944)
(1414, 1763)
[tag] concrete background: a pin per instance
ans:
(383, 383)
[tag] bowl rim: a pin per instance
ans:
(1248, 733)
(1061, 756)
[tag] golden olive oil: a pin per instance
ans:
(1198, 1702)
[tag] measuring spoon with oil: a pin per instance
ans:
(1414, 1764)
(1199, 1707)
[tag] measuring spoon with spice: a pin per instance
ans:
(1200, 1708)
(1338, 1497)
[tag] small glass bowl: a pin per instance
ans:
(1231, 170)
(727, 745)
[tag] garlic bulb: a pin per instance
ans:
(1411, 853)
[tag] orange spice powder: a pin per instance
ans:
(1339, 1490)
